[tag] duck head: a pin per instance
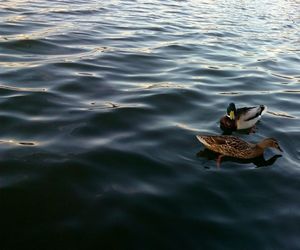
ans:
(228, 122)
(231, 111)
(269, 143)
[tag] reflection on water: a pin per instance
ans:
(258, 161)
(241, 131)
(18, 143)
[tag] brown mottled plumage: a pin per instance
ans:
(235, 147)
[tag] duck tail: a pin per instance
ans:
(202, 139)
(263, 109)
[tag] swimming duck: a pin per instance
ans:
(235, 147)
(242, 118)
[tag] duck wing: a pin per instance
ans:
(248, 116)
(227, 145)
(210, 141)
(235, 147)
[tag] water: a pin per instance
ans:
(100, 104)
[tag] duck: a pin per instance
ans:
(241, 118)
(232, 146)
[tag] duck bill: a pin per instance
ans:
(231, 115)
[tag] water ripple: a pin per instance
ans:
(100, 103)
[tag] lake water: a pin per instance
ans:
(100, 102)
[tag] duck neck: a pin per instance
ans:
(259, 150)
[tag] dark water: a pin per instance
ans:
(100, 104)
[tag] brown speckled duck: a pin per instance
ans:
(235, 147)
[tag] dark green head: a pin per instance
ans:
(231, 111)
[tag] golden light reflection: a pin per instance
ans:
(43, 8)
(186, 127)
(54, 59)
(282, 114)
(15, 18)
(19, 64)
(39, 34)
(16, 3)
(169, 85)
(283, 91)
(19, 143)
(2, 86)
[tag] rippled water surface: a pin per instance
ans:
(100, 102)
